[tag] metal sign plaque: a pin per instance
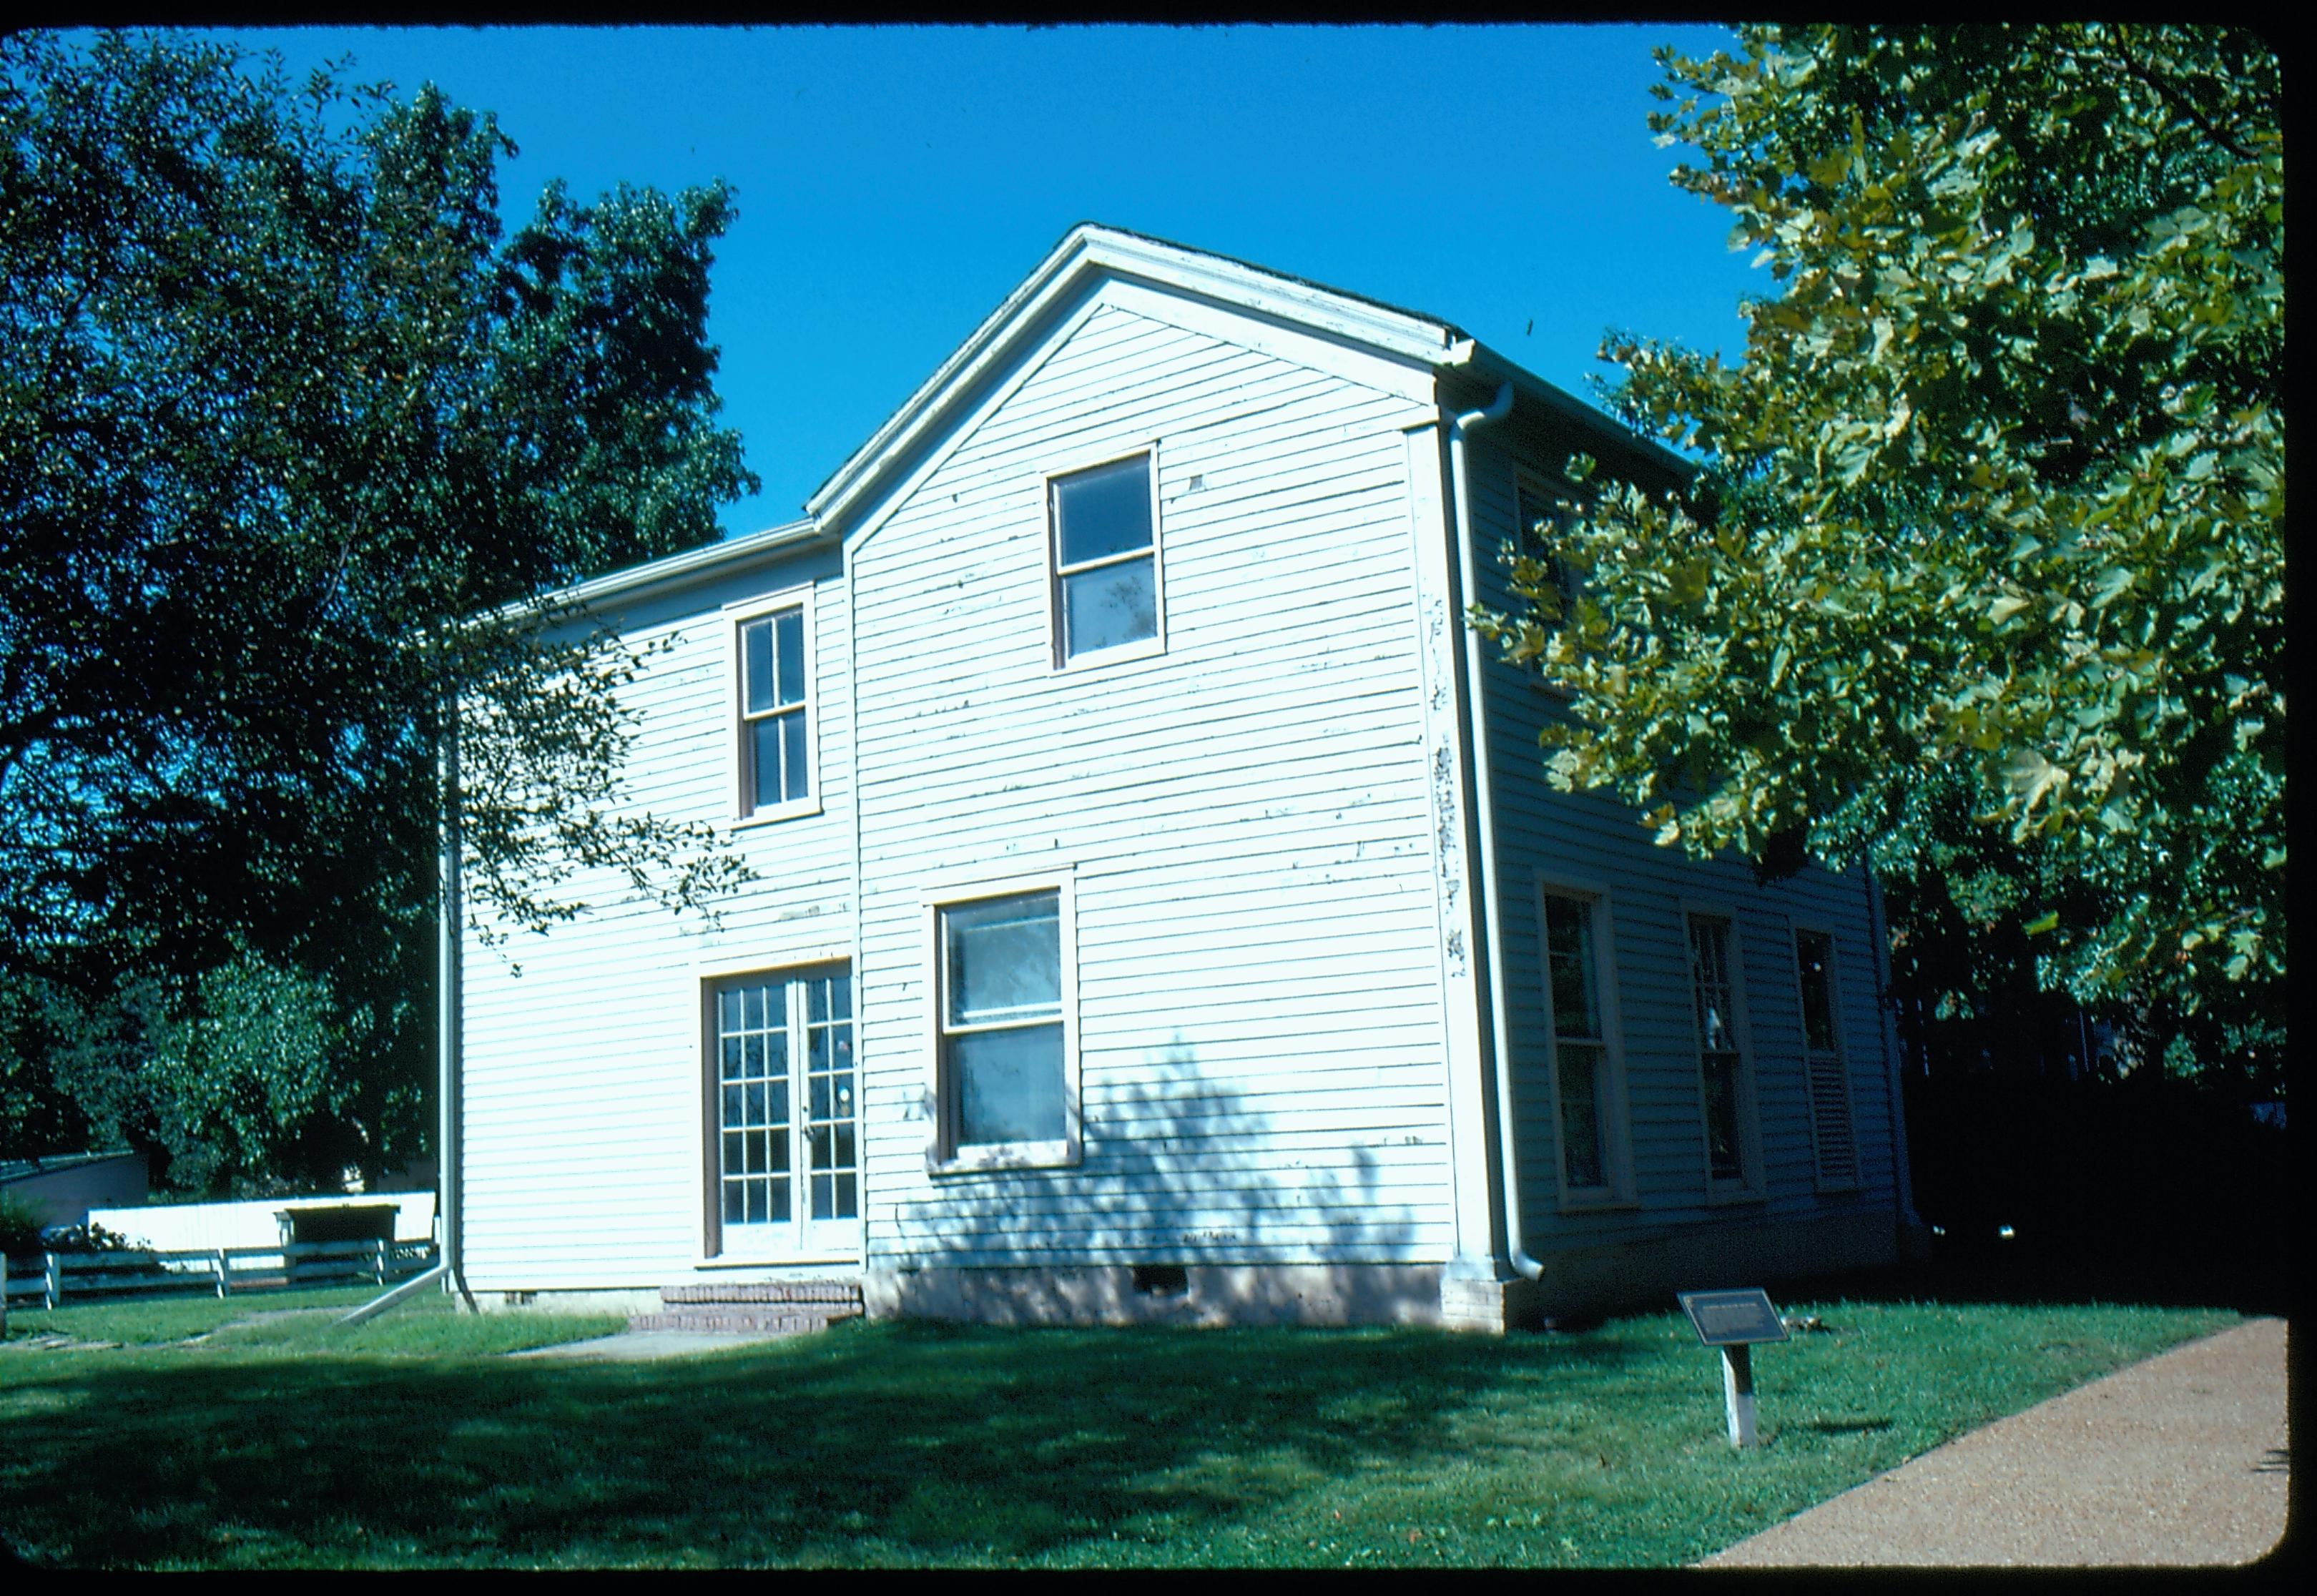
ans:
(1732, 1318)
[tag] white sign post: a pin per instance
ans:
(1738, 1393)
(1735, 1323)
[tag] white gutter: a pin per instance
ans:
(1484, 806)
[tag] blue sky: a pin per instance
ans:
(895, 183)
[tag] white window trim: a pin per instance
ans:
(715, 1252)
(1842, 1053)
(942, 1156)
(1616, 1130)
(1750, 1186)
(1051, 532)
(732, 618)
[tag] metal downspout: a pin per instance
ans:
(1484, 807)
(448, 1051)
(1902, 1174)
(449, 1020)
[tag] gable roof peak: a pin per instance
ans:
(1091, 249)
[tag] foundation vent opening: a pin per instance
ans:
(1162, 1279)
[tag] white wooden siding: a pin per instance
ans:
(1545, 834)
(1258, 1012)
(584, 1143)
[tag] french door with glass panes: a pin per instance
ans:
(786, 1160)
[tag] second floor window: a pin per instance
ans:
(1104, 549)
(774, 765)
(1542, 521)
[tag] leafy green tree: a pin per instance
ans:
(280, 410)
(1983, 575)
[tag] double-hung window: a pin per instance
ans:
(1586, 1096)
(1721, 1054)
(775, 757)
(1006, 1084)
(1103, 543)
(1541, 520)
(1830, 1082)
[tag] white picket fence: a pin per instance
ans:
(213, 1271)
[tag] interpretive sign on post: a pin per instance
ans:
(1737, 1322)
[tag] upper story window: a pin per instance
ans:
(1540, 519)
(1104, 547)
(773, 687)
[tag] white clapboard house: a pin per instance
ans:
(1162, 912)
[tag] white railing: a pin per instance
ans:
(215, 1270)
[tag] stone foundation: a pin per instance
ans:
(1579, 1283)
(1194, 1293)
(1642, 1275)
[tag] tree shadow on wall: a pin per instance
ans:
(1200, 1201)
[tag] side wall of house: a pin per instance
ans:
(1242, 819)
(585, 1147)
(1598, 845)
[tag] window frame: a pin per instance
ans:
(1050, 522)
(1528, 483)
(1610, 1085)
(1840, 1054)
(1750, 1185)
(944, 1156)
(712, 980)
(735, 617)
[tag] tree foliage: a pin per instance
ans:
(1983, 575)
(280, 410)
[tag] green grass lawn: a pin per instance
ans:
(407, 1442)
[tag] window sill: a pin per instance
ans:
(1725, 1195)
(1124, 654)
(969, 1161)
(1598, 1205)
(796, 811)
(772, 1259)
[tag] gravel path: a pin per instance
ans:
(2179, 1460)
(629, 1346)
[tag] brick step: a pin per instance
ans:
(765, 1319)
(834, 1293)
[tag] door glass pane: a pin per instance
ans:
(1105, 511)
(1108, 606)
(1005, 959)
(1009, 1085)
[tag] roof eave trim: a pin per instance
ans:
(668, 570)
(1480, 358)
